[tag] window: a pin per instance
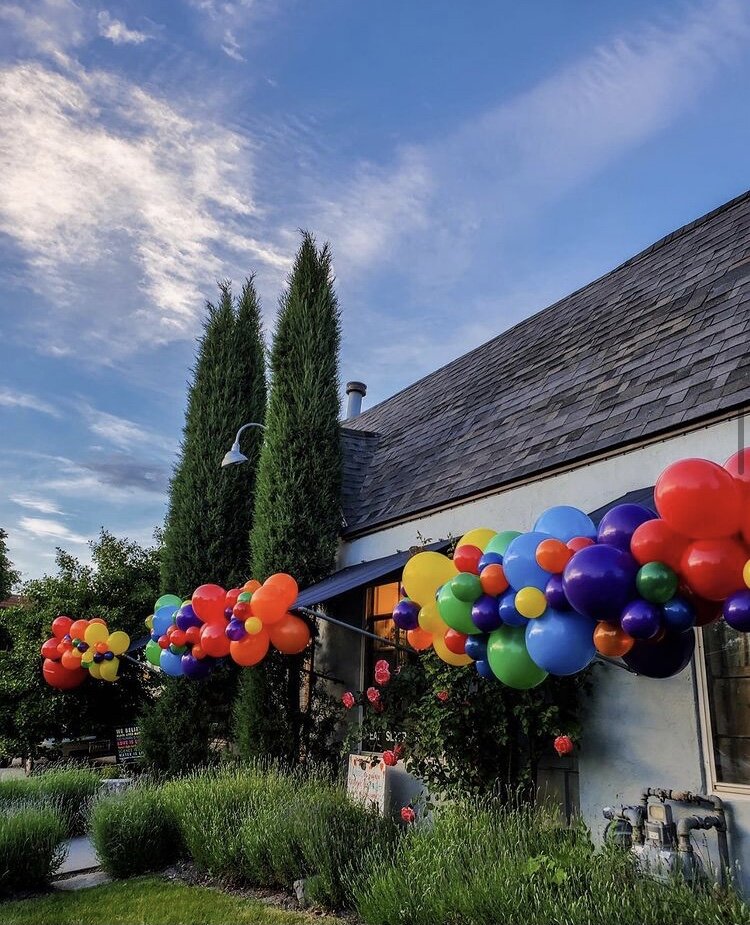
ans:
(381, 601)
(726, 661)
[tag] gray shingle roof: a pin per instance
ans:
(656, 343)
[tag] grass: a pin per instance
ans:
(70, 789)
(31, 847)
(147, 900)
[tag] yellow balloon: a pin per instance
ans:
(118, 642)
(149, 621)
(746, 573)
(479, 537)
(425, 573)
(530, 602)
(88, 656)
(253, 625)
(431, 621)
(95, 632)
(188, 601)
(95, 670)
(451, 658)
(108, 670)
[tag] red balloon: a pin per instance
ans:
(163, 642)
(61, 626)
(268, 603)
(50, 649)
(579, 542)
(706, 612)
(250, 649)
(286, 586)
(713, 568)
(214, 641)
(456, 642)
(466, 558)
(179, 637)
(656, 541)
(209, 603)
(290, 635)
(231, 597)
(738, 466)
(699, 499)
(242, 610)
(78, 629)
(62, 678)
(193, 634)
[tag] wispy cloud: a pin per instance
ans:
(11, 398)
(41, 505)
(117, 32)
(45, 528)
(231, 47)
(122, 432)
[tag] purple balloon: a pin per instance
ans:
(555, 594)
(235, 630)
(641, 619)
(185, 618)
(484, 614)
(737, 611)
(599, 581)
(195, 668)
(406, 614)
(620, 522)
(662, 659)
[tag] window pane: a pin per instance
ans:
(728, 672)
(384, 599)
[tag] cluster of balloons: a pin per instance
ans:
(79, 648)
(521, 606)
(191, 637)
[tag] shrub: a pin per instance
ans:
(70, 789)
(31, 848)
(135, 832)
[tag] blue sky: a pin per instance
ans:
(469, 163)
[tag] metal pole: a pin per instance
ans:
(353, 629)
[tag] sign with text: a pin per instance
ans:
(366, 780)
(128, 742)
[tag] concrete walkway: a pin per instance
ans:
(81, 868)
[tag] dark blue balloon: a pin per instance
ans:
(564, 522)
(736, 611)
(641, 619)
(195, 668)
(484, 670)
(561, 643)
(476, 647)
(620, 522)
(155, 637)
(484, 614)
(520, 565)
(662, 659)
(490, 558)
(98, 657)
(677, 615)
(108, 656)
(406, 614)
(506, 610)
(235, 630)
(555, 594)
(599, 581)
(185, 618)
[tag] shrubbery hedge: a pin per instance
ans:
(70, 789)
(31, 844)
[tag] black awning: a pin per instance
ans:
(644, 496)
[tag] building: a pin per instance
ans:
(581, 404)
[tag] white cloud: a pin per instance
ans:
(122, 432)
(51, 27)
(44, 528)
(42, 505)
(11, 398)
(231, 47)
(117, 32)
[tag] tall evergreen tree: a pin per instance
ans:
(210, 509)
(8, 575)
(298, 495)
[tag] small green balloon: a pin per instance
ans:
(168, 600)
(153, 651)
(466, 587)
(501, 541)
(510, 661)
(656, 582)
(456, 613)
(177, 650)
(245, 597)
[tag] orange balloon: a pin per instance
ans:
(71, 659)
(251, 586)
(197, 652)
(78, 629)
(250, 649)
(493, 580)
(214, 641)
(209, 602)
(553, 555)
(101, 647)
(286, 585)
(290, 635)
(419, 639)
(269, 603)
(97, 620)
(611, 640)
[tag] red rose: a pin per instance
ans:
(408, 815)
(390, 759)
(563, 745)
(348, 700)
(373, 694)
(442, 696)
(382, 677)
(382, 665)
(378, 706)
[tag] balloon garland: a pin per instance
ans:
(78, 649)
(521, 606)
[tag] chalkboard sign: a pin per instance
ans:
(366, 780)
(128, 742)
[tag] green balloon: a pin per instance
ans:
(168, 600)
(456, 613)
(466, 587)
(245, 597)
(510, 661)
(501, 541)
(153, 651)
(656, 582)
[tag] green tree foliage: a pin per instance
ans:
(8, 575)
(120, 586)
(176, 729)
(298, 496)
(210, 508)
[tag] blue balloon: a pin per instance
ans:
(561, 643)
(506, 610)
(185, 617)
(195, 668)
(476, 647)
(484, 670)
(490, 558)
(520, 565)
(599, 581)
(170, 663)
(564, 522)
(164, 618)
(678, 615)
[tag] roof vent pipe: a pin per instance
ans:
(355, 392)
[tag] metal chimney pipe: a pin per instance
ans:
(355, 392)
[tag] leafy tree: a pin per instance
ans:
(210, 509)
(176, 729)
(298, 495)
(8, 575)
(119, 586)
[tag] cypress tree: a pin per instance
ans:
(210, 509)
(8, 575)
(298, 495)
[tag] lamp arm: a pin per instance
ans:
(245, 427)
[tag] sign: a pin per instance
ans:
(366, 780)
(128, 742)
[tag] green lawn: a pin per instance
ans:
(147, 901)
